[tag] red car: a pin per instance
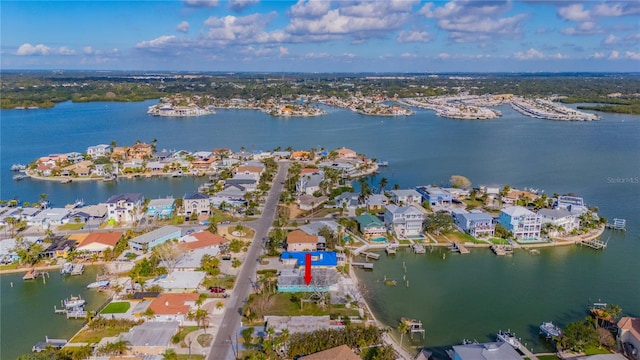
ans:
(217, 289)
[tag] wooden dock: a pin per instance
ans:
(368, 255)
(617, 224)
(502, 250)
(418, 248)
(364, 265)
(457, 247)
(595, 244)
(415, 326)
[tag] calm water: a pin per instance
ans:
(27, 309)
(468, 296)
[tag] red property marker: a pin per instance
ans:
(307, 269)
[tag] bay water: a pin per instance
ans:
(468, 296)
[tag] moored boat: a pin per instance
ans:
(67, 268)
(74, 302)
(78, 269)
(549, 330)
(98, 284)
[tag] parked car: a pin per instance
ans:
(217, 289)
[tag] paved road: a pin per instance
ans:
(224, 345)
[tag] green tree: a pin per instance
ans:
(403, 328)
(383, 183)
(439, 223)
(460, 182)
(170, 354)
(579, 335)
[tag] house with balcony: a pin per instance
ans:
(406, 197)
(196, 204)
(475, 222)
(310, 183)
(523, 223)
(370, 226)
(435, 196)
(124, 207)
(160, 208)
(298, 240)
(376, 202)
(574, 204)
(148, 241)
(560, 218)
(404, 221)
(99, 151)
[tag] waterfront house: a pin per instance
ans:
(574, 204)
(342, 352)
(324, 279)
(522, 222)
(345, 167)
(140, 151)
(348, 200)
(124, 207)
(475, 222)
(148, 241)
(151, 337)
(309, 202)
(98, 242)
(376, 202)
(58, 247)
(91, 213)
(512, 197)
(405, 197)
(370, 226)
(345, 153)
(560, 218)
(486, 351)
(196, 204)
(49, 217)
(192, 260)
(81, 168)
(160, 208)
(309, 184)
(629, 336)
(97, 151)
(9, 248)
(298, 240)
(405, 221)
(435, 196)
(244, 182)
(253, 172)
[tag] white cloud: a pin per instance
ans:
(598, 55)
(183, 27)
(444, 56)
(310, 9)
(87, 50)
(239, 5)
(283, 50)
(201, 3)
(574, 12)
(156, 43)
(408, 55)
(611, 39)
(616, 9)
(585, 28)
(475, 21)
(313, 55)
(615, 54)
(248, 29)
(413, 36)
(27, 49)
(633, 55)
(65, 51)
(530, 54)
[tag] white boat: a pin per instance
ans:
(549, 330)
(18, 167)
(74, 302)
(98, 284)
(509, 338)
(67, 268)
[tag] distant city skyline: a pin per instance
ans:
(322, 36)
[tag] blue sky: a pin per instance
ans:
(322, 36)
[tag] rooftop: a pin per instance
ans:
(486, 351)
(342, 352)
(107, 238)
(152, 333)
(318, 258)
(127, 197)
(173, 304)
(152, 235)
(300, 237)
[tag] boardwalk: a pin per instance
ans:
(459, 248)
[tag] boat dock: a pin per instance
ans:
(364, 265)
(48, 343)
(78, 313)
(617, 224)
(415, 326)
(502, 250)
(368, 255)
(78, 269)
(391, 249)
(595, 244)
(457, 247)
(418, 248)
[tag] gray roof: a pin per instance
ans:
(178, 280)
(474, 216)
(312, 228)
(195, 196)
(405, 192)
(128, 197)
(298, 324)
(161, 202)
(554, 213)
(487, 351)
(152, 333)
(152, 235)
(321, 277)
(192, 259)
(515, 211)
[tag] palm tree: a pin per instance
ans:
(170, 354)
(383, 182)
(403, 328)
(213, 226)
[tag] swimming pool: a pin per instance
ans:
(379, 240)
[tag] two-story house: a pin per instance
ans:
(522, 222)
(435, 196)
(298, 240)
(370, 226)
(99, 150)
(160, 208)
(404, 221)
(148, 241)
(310, 183)
(475, 222)
(563, 220)
(195, 204)
(406, 197)
(124, 207)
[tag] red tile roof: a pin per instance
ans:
(172, 304)
(631, 324)
(342, 352)
(203, 239)
(106, 238)
(301, 237)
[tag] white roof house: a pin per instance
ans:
(178, 281)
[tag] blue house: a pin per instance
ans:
(522, 222)
(475, 222)
(160, 208)
(319, 259)
(435, 196)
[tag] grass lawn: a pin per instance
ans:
(473, 204)
(94, 336)
(71, 226)
(119, 307)
(284, 306)
(205, 340)
(463, 238)
(9, 267)
(226, 281)
(439, 238)
(547, 357)
(179, 337)
(595, 350)
(404, 242)
(190, 357)
(499, 241)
